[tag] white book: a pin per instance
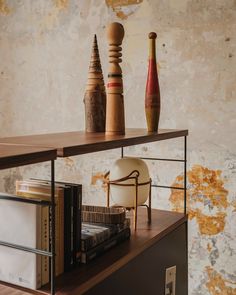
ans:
(20, 223)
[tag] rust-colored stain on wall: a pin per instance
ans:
(119, 5)
(99, 176)
(217, 285)
(210, 225)
(52, 18)
(234, 205)
(205, 188)
(4, 9)
(209, 247)
(61, 4)
(69, 162)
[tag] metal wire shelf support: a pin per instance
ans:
(184, 161)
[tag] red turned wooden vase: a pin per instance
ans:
(152, 97)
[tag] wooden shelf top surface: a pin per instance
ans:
(13, 155)
(80, 142)
(84, 277)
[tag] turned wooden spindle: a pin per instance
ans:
(95, 95)
(152, 97)
(115, 117)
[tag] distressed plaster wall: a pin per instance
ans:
(44, 56)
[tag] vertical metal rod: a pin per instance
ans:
(108, 194)
(136, 204)
(122, 152)
(186, 226)
(53, 227)
(150, 202)
(185, 174)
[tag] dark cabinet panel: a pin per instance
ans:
(145, 274)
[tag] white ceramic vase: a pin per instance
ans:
(125, 195)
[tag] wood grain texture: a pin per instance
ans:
(13, 155)
(152, 95)
(95, 95)
(9, 289)
(85, 277)
(80, 142)
(95, 110)
(115, 110)
(99, 214)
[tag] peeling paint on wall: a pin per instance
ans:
(209, 247)
(217, 285)
(123, 8)
(52, 18)
(4, 9)
(99, 177)
(234, 205)
(61, 4)
(44, 54)
(208, 208)
(10, 180)
(69, 162)
(210, 225)
(205, 190)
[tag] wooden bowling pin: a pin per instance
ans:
(115, 117)
(95, 95)
(152, 97)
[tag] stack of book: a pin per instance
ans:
(29, 225)
(98, 237)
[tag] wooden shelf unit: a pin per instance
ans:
(79, 142)
(168, 230)
(13, 155)
(85, 277)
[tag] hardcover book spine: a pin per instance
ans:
(74, 226)
(67, 230)
(35, 189)
(45, 245)
(61, 221)
(78, 223)
(58, 235)
(38, 246)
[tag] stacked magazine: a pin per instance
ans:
(97, 238)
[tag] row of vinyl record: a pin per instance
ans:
(29, 225)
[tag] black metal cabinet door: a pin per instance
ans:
(145, 275)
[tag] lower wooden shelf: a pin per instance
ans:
(167, 233)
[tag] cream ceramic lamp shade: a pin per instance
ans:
(125, 195)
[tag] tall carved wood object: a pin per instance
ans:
(152, 97)
(95, 95)
(115, 114)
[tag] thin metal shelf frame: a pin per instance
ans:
(51, 205)
(184, 161)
